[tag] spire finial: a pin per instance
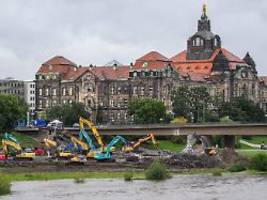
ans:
(204, 8)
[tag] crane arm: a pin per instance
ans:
(114, 141)
(97, 136)
(6, 143)
(142, 140)
(77, 142)
(50, 143)
(10, 137)
(83, 134)
(107, 155)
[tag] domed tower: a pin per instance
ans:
(202, 44)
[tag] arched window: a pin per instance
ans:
(198, 41)
(215, 42)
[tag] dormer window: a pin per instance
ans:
(145, 64)
(198, 42)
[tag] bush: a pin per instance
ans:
(217, 173)
(259, 162)
(5, 186)
(79, 180)
(157, 171)
(238, 167)
(128, 175)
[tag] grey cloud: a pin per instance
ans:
(97, 31)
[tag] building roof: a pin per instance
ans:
(60, 65)
(181, 57)
(153, 56)
(111, 72)
(152, 60)
(59, 60)
(204, 67)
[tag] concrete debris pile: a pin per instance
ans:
(190, 161)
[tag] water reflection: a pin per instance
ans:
(177, 188)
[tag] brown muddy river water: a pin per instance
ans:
(177, 188)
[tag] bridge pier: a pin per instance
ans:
(229, 141)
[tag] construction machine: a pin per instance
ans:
(19, 153)
(50, 144)
(107, 154)
(97, 136)
(130, 147)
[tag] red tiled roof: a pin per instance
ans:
(74, 74)
(58, 64)
(203, 66)
(152, 60)
(153, 56)
(181, 57)
(111, 72)
(70, 71)
(59, 60)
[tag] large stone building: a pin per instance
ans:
(108, 89)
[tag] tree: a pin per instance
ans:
(191, 103)
(68, 113)
(243, 110)
(147, 111)
(11, 109)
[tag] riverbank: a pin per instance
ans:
(137, 175)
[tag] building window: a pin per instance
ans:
(47, 103)
(64, 101)
(119, 90)
(64, 91)
(54, 92)
(54, 102)
(125, 101)
(40, 92)
(135, 74)
(40, 103)
(151, 90)
(71, 91)
(112, 103)
(135, 89)
(47, 91)
(89, 102)
(112, 90)
(70, 101)
(142, 90)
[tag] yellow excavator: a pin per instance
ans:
(130, 147)
(50, 144)
(93, 151)
(19, 153)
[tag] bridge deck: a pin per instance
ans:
(170, 129)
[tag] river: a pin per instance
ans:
(178, 188)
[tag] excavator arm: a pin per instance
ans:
(50, 143)
(130, 148)
(7, 143)
(77, 142)
(97, 136)
(113, 142)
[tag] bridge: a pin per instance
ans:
(231, 129)
(207, 130)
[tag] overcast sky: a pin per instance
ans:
(98, 31)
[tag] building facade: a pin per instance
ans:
(12, 86)
(106, 90)
(29, 95)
